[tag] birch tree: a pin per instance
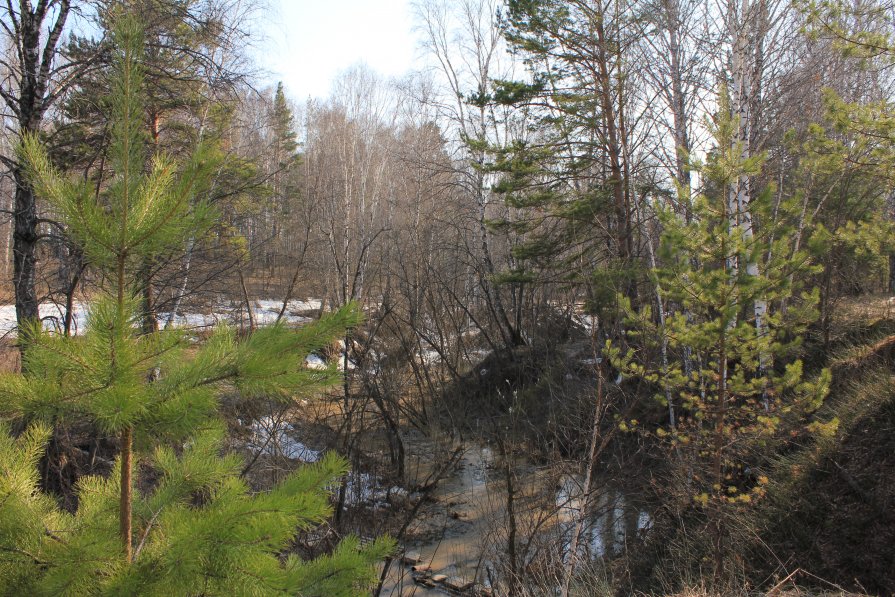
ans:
(35, 81)
(467, 49)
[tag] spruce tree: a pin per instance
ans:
(284, 158)
(286, 144)
(174, 517)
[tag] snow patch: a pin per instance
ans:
(429, 356)
(365, 489)
(274, 438)
(312, 361)
(51, 314)
(265, 312)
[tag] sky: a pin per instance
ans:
(309, 42)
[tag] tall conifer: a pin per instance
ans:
(175, 517)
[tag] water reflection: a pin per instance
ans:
(609, 523)
(465, 534)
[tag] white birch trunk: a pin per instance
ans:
(746, 28)
(187, 261)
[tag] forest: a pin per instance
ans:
(599, 300)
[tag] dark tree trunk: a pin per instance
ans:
(24, 243)
(892, 274)
(28, 100)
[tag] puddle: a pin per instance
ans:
(609, 524)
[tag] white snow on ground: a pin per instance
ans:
(194, 320)
(588, 322)
(52, 314)
(312, 361)
(265, 312)
(341, 364)
(479, 354)
(429, 356)
(277, 439)
(274, 306)
(308, 304)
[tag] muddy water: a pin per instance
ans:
(450, 536)
(463, 534)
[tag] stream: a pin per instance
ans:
(462, 535)
(459, 536)
(457, 542)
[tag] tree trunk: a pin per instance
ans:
(511, 337)
(718, 456)
(127, 488)
(747, 32)
(613, 147)
(678, 100)
(586, 489)
(248, 302)
(892, 274)
(187, 262)
(150, 317)
(24, 257)
(29, 102)
(70, 297)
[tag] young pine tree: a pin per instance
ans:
(175, 517)
(743, 385)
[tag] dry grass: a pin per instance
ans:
(9, 357)
(791, 591)
(868, 308)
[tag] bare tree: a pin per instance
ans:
(35, 79)
(468, 51)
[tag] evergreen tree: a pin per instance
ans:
(175, 517)
(191, 74)
(723, 419)
(285, 141)
(860, 29)
(573, 178)
(844, 179)
(283, 174)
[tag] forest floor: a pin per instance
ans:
(453, 521)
